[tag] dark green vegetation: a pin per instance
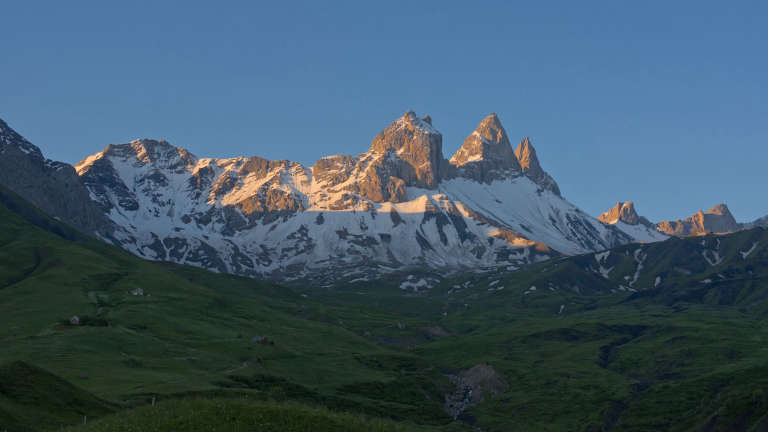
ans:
(682, 346)
(226, 415)
(31, 396)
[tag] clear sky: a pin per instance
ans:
(663, 103)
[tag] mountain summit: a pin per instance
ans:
(531, 167)
(486, 154)
(54, 187)
(624, 216)
(624, 212)
(718, 219)
(415, 149)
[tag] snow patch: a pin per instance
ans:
(639, 259)
(716, 258)
(746, 253)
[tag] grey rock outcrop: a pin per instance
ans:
(54, 187)
(757, 223)
(473, 386)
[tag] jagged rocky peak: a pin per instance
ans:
(720, 210)
(487, 154)
(150, 151)
(408, 134)
(624, 212)
(158, 154)
(10, 140)
(408, 152)
(526, 155)
(718, 219)
(531, 167)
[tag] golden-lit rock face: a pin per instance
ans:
(529, 163)
(718, 219)
(414, 151)
(622, 211)
(407, 153)
(487, 154)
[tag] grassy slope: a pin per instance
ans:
(31, 397)
(226, 415)
(684, 356)
(191, 331)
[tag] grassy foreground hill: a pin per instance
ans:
(667, 336)
(225, 415)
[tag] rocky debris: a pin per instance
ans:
(718, 219)
(531, 167)
(624, 212)
(52, 186)
(473, 386)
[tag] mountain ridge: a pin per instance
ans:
(400, 204)
(52, 186)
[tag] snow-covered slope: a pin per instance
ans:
(401, 204)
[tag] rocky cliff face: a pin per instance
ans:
(531, 167)
(718, 219)
(624, 216)
(759, 222)
(624, 212)
(54, 187)
(399, 205)
(412, 150)
(408, 153)
(486, 154)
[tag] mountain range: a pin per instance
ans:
(661, 335)
(399, 205)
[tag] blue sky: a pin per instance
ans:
(663, 103)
